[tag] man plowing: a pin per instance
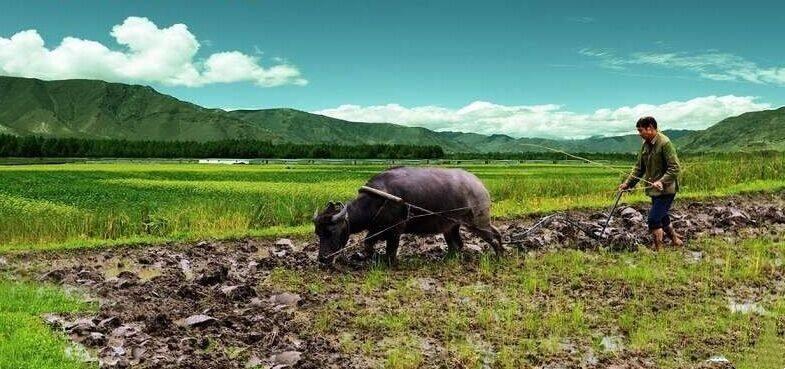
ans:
(659, 167)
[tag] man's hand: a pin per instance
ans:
(623, 186)
(657, 185)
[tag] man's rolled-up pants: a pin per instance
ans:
(658, 215)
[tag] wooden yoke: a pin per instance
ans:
(382, 194)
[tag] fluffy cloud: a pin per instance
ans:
(552, 121)
(584, 20)
(150, 55)
(713, 65)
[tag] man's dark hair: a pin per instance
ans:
(646, 122)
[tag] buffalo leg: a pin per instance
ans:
(498, 236)
(370, 252)
(454, 241)
(492, 236)
(393, 239)
(370, 242)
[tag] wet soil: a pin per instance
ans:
(205, 305)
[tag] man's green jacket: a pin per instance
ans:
(657, 161)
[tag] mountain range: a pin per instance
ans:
(98, 109)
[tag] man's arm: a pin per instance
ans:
(674, 167)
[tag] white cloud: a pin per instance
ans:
(149, 54)
(552, 121)
(583, 19)
(711, 65)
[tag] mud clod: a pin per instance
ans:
(630, 216)
(286, 359)
(80, 326)
(237, 293)
(159, 323)
(198, 320)
(716, 362)
(212, 274)
(285, 300)
(94, 339)
(54, 276)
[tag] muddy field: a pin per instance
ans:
(208, 305)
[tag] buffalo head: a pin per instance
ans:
(332, 228)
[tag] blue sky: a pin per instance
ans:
(549, 69)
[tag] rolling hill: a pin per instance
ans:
(97, 109)
(754, 131)
(301, 127)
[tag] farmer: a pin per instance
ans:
(659, 167)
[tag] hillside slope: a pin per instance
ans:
(754, 131)
(302, 127)
(97, 109)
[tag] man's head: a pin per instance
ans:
(647, 128)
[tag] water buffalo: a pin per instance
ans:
(434, 189)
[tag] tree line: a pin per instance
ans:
(37, 146)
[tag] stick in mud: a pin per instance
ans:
(610, 213)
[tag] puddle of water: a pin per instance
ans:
(718, 360)
(79, 353)
(694, 257)
(612, 343)
(746, 308)
(147, 274)
(185, 266)
(590, 359)
(263, 253)
(111, 269)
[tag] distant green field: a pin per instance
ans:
(78, 205)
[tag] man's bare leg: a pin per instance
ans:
(656, 236)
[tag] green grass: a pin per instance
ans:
(519, 311)
(767, 353)
(86, 205)
(25, 341)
